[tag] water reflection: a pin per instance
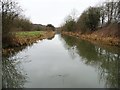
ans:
(105, 60)
(13, 75)
(57, 63)
(50, 38)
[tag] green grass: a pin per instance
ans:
(29, 33)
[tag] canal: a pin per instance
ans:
(62, 62)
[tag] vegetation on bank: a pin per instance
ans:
(22, 39)
(26, 38)
(17, 30)
(97, 23)
(28, 34)
(94, 18)
(113, 41)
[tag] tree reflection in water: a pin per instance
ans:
(13, 74)
(105, 60)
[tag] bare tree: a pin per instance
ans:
(118, 13)
(10, 10)
(109, 12)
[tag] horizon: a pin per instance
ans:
(54, 11)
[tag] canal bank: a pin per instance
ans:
(97, 39)
(20, 39)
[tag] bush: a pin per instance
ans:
(89, 20)
(50, 27)
(23, 23)
(70, 24)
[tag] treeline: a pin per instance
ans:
(13, 20)
(12, 17)
(94, 18)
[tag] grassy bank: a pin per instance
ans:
(19, 39)
(28, 37)
(96, 38)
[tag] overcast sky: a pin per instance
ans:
(53, 11)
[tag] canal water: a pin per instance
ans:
(62, 62)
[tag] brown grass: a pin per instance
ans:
(109, 35)
(25, 38)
